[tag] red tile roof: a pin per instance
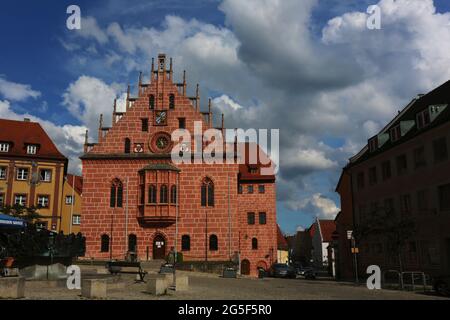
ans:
(281, 240)
(78, 183)
(22, 133)
(262, 161)
(327, 227)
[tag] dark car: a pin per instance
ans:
(282, 270)
(306, 272)
(442, 285)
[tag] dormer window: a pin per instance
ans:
(395, 133)
(31, 149)
(423, 119)
(373, 144)
(4, 147)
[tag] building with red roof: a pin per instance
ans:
(31, 170)
(135, 198)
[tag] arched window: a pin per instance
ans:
(127, 145)
(254, 244)
(163, 194)
(132, 243)
(207, 193)
(173, 194)
(171, 101)
(185, 243)
(116, 195)
(104, 245)
(213, 243)
(152, 102)
(152, 194)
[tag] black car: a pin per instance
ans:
(308, 273)
(442, 285)
(282, 270)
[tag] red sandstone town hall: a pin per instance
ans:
(135, 199)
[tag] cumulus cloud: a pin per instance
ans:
(16, 91)
(68, 138)
(88, 97)
(266, 69)
(317, 205)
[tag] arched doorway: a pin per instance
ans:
(159, 247)
(245, 267)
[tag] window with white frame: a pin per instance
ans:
(43, 201)
(395, 133)
(69, 199)
(423, 119)
(4, 147)
(22, 174)
(31, 149)
(45, 175)
(20, 199)
(76, 219)
(3, 173)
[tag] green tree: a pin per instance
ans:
(28, 214)
(385, 224)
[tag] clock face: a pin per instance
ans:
(162, 142)
(161, 117)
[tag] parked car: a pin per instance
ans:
(442, 285)
(306, 272)
(282, 270)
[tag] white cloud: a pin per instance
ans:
(88, 97)
(91, 30)
(345, 84)
(16, 91)
(317, 205)
(310, 160)
(225, 103)
(69, 139)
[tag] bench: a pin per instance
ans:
(115, 267)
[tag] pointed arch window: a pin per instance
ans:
(132, 243)
(185, 243)
(152, 102)
(152, 194)
(171, 101)
(173, 194)
(104, 243)
(207, 193)
(163, 194)
(127, 145)
(116, 195)
(213, 243)
(254, 244)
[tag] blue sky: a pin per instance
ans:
(283, 63)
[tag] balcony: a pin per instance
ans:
(157, 215)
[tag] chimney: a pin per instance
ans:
(26, 119)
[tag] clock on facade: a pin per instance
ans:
(160, 118)
(161, 142)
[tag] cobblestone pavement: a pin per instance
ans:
(208, 286)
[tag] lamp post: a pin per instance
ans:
(176, 236)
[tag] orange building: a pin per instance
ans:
(71, 207)
(32, 170)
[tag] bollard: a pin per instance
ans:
(94, 288)
(12, 287)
